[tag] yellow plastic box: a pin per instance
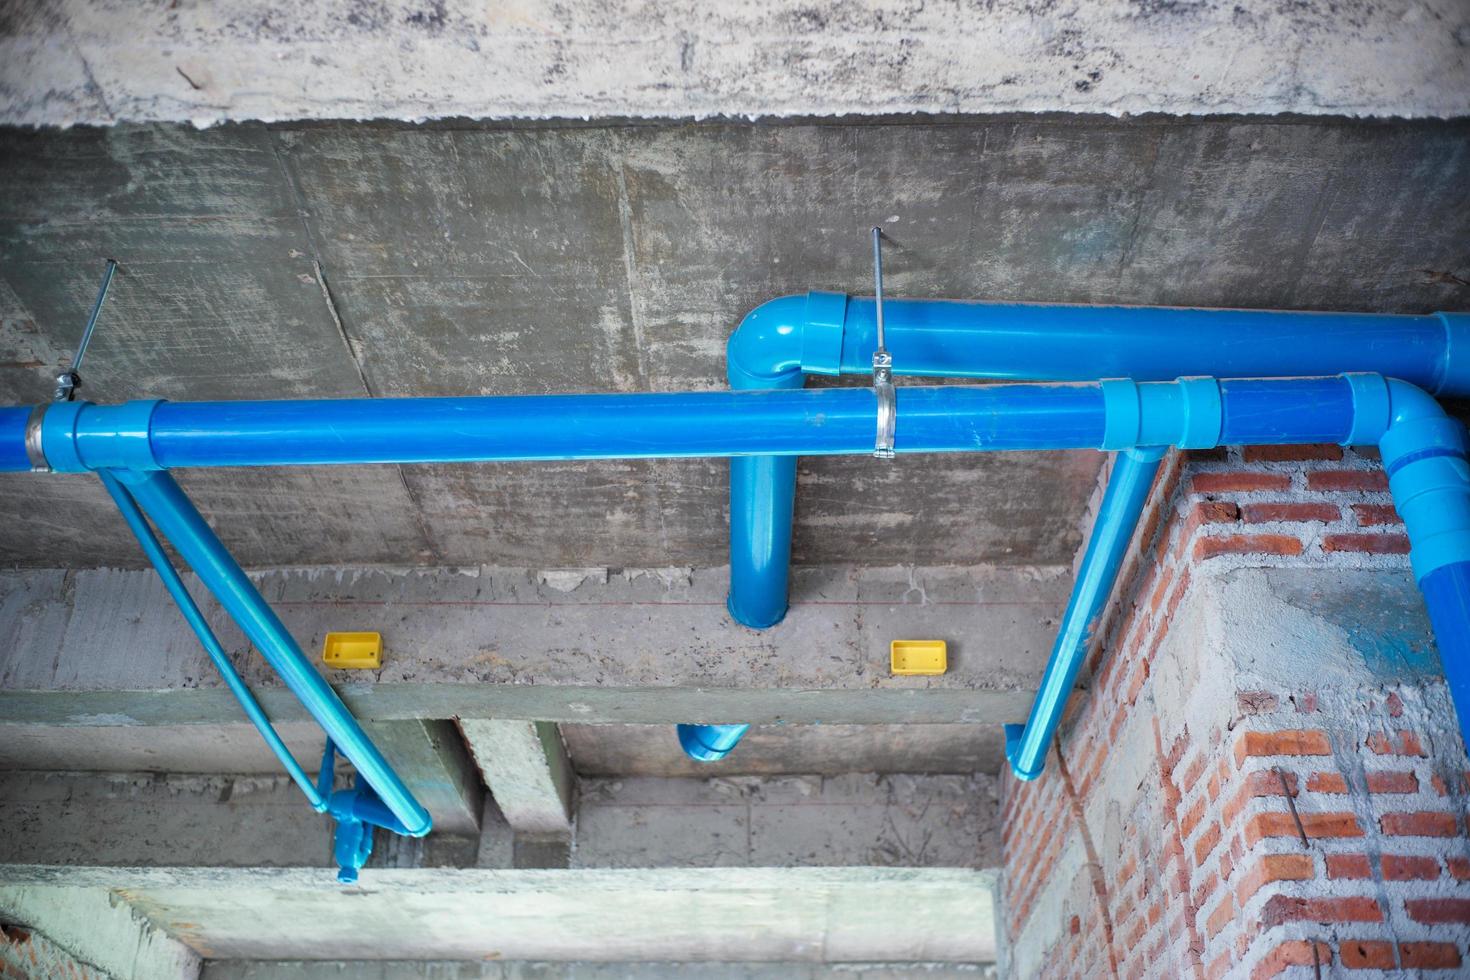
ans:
(908, 658)
(358, 651)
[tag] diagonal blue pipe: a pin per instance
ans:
(138, 524)
(159, 496)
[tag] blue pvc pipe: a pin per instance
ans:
(13, 458)
(1447, 595)
(176, 588)
(710, 743)
(160, 497)
(781, 341)
(1128, 488)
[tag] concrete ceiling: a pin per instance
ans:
(337, 260)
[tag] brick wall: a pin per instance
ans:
(27, 955)
(1264, 773)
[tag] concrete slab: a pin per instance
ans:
(793, 821)
(714, 914)
(639, 248)
(779, 750)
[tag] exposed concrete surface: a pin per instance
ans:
(792, 821)
(715, 914)
(72, 61)
(525, 767)
(230, 821)
(772, 750)
(498, 259)
(433, 763)
(305, 970)
(98, 928)
(107, 648)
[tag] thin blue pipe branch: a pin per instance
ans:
(180, 593)
(160, 498)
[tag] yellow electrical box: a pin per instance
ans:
(914, 657)
(361, 651)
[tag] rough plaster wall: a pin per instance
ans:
(71, 61)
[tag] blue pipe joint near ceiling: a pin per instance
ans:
(710, 743)
(776, 346)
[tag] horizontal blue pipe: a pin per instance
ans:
(1035, 342)
(831, 421)
(177, 520)
(1117, 518)
(176, 588)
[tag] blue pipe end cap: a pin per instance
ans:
(1013, 746)
(710, 743)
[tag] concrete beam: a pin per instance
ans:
(106, 648)
(89, 924)
(431, 759)
(400, 970)
(813, 915)
(525, 767)
(71, 61)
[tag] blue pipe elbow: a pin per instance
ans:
(710, 743)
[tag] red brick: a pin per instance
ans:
(1264, 513)
(1372, 544)
(1326, 782)
(1272, 868)
(1393, 782)
(1264, 825)
(1214, 512)
(1419, 824)
(1348, 866)
(1263, 782)
(1206, 843)
(1434, 911)
(1246, 544)
(1402, 743)
(1281, 909)
(1218, 919)
(1429, 956)
(1240, 482)
(1370, 480)
(1376, 515)
(1294, 952)
(1292, 741)
(1408, 867)
(1459, 867)
(1289, 454)
(1191, 819)
(1366, 954)
(1256, 702)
